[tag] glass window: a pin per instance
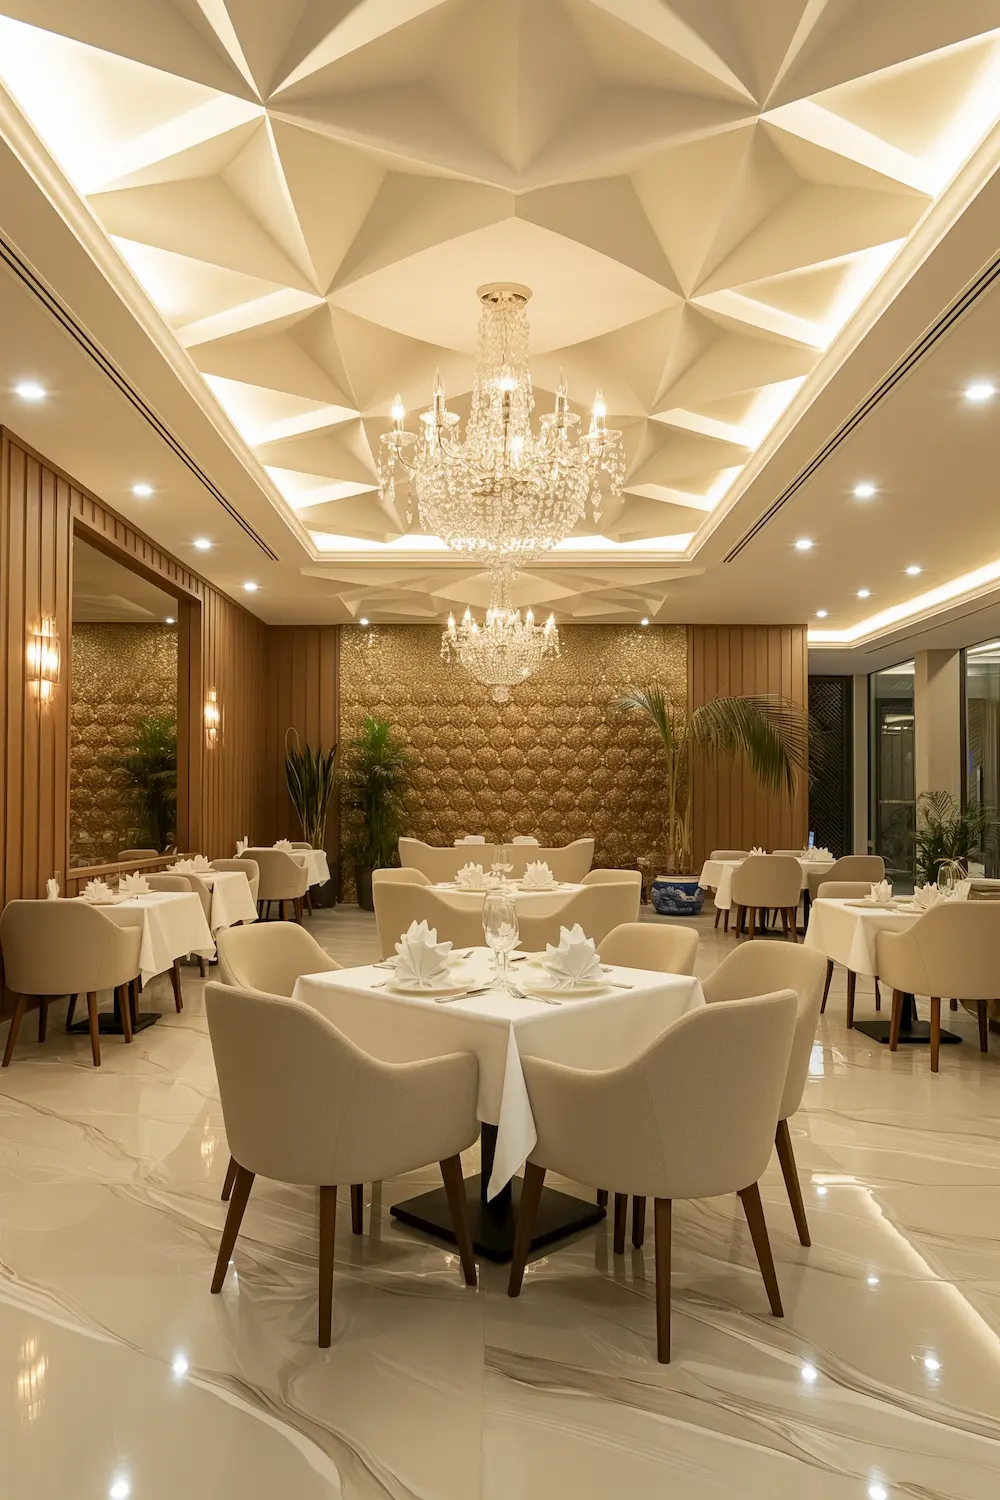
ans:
(982, 731)
(893, 802)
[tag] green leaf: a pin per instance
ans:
(771, 733)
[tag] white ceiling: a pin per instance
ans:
(699, 193)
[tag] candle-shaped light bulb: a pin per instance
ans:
(529, 618)
(467, 617)
(550, 624)
(438, 392)
(562, 395)
(451, 624)
(600, 410)
(398, 412)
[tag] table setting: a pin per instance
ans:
(717, 874)
(536, 892)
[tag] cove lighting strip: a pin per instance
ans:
(923, 604)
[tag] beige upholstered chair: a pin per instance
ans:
(693, 1116)
(270, 956)
(54, 948)
(598, 909)
(789, 853)
(127, 854)
(440, 863)
(651, 945)
(952, 950)
(765, 882)
(844, 890)
(760, 970)
(866, 867)
(282, 879)
(571, 862)
(249, 867)
(398, 904)
(613, 877)
(398, 875)
(302, 1104)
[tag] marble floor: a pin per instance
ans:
(122, 1376)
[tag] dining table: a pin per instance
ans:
(232, 898)
(846, 932)
(717, 875)
(173, 925)
(602, 1027)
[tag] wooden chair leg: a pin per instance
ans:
(602, 1197)
(784, 922)
(454, 1186)
(203, 967)
(358, 1208)
(95, 1030)
(43, 1016)
(227, 1186)
(175, 981)
(297, 907)
(309, 900)
(661, 1253)
(234, 1218)
(789, 1171)
(982, 1016)
(793, 923)
(121, 995)
(725, 924)
(852, 985)
(752, 923)
(70, 1010)
(621, 1213)
(638, 1222)
(15, 1026)
(531, 1192)
(826, 987)
(752, 1207)
(327, 1239)
(896, 1019)
(953, 1005)
(935, 1032)
(878, 996)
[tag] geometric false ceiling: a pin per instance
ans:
(699, 194)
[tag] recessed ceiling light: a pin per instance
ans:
(202, 543)
(872, 1279)
(250, 587)
(809, 1374)
(142, 490)
(179, 1366)
(877, 1491)
(979, 391)
(363, 621)
(644, 621)
(170, 620)
(913, 570)
(821, 614)
(864, 593)
(120, 1490)
(29, 390)
(932, 1363)
(821, 1190)
(803, 544)
(864, 491)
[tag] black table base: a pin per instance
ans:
(910, 1029)
(493, 1224)
(109, 1022)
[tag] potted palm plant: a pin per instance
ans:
(374, 778)
(311, 776)
(147, 774)
(770, 733)
(948, 833)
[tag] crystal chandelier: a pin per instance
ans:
(505, 492)
(504, 650)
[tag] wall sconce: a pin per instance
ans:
(213, 719)
(43, 661)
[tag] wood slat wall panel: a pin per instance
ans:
(729, 810)
(301, 693)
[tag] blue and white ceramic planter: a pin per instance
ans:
(677, 895)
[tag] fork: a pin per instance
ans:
(514, 989)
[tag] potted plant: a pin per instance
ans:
(770, 733)
(147, 773)
(948, 832)
(374, 779)
(311, 776)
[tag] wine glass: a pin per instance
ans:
(500, 928)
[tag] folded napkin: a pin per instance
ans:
(926, 896)
(242, 845)
(537, 876)
(133, 885)
(757, 850)
(574, 961)
(524, 839)
(821, 856)
(881, 891)
(285, 844)
(97, 890)
(423, 961)
(473, 878)
(52, 890)
(471, 838)
(196, 865)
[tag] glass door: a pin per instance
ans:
(893, 797)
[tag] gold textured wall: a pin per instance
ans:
(557, 761)
(119, 674)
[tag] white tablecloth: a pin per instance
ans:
(232, 900)
(530, 903)
(601, 1032)
(316, 862)
(847, 934)
(173, 923)
(717, 875)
